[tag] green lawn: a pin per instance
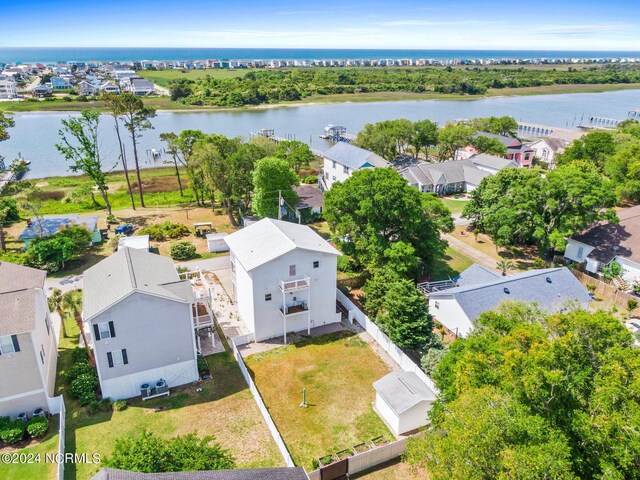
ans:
(224, 408)
(337, 371)
(450, 265)
(38, 470)
(163, 77)
(454, 205)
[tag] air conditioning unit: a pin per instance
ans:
(23, 416)
(161, 386)
(145, 390)
(39, 412)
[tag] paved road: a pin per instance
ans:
(476, 255)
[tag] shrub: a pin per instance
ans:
(106, 405)
(161, 231)
(119, 405)
(182, 250)
(79, 369)
(4, 422)
(311, 179)
(13, 432)
(632, 304)
(93, 407)
(79, 355)
(112, 219)
(84, 388)
(37, 427)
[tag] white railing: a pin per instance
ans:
(292, 285)
(262, 407)
(243, 339)
(56, 406)
(408, 365)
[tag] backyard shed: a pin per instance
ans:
(216, 243)
(403, 401)
(139, 242)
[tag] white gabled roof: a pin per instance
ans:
(269, 239)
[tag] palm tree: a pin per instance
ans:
(55, 305)
(505, 265)
(72, 303)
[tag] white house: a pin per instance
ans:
(7, 87)
(606, 242)
(87, 88)
(341, 160)
(403, 401)
(28, 343)
(142, 324)
(284, 278)
(548, 148)
(141, 87)
(139, 242)
(477, 290)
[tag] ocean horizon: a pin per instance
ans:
(105, 54)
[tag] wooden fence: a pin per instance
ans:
(604, 290)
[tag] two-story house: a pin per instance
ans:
(284, 278)
(28, 344)
(140, 318)
(7, 87)
(341, 160)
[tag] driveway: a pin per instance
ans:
(208, 264)
(476, 255)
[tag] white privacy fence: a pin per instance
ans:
(408, 365)
(56, 406)
(262, 407)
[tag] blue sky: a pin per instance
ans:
(426, 24)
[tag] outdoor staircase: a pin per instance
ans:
(620, 284)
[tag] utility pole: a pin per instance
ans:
(279, 204)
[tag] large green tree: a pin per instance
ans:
(490, 145)
(297, 153)
(375, 208)
(272, 180)
(136, 118)
(594, 147)
(81, 147)
(527, 394)
(520, 206)
(424, 134)
(452, 137)
(5, 208)
(388, 138)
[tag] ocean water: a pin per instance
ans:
(50, 55)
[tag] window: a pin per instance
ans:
(9, 344)
(292, 270)
(267, 297)
(334, 164)
(117, 357)
(104, 330)
(345, 170)
(42, 353)
(334, 178)
(437, 305)
(580, 252)
(326, 175)
(316, 264)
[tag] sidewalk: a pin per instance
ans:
(476, 255)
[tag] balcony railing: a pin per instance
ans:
(295, 307)
(293, 285)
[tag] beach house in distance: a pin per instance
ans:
(341, 160)
(140, 318)
(457, 303)
(47, 225)
(605, 242)
(28, 344)
(284, 278)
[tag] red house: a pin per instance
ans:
(520, 153)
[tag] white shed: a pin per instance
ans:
(139, 242)
(216, 243)
(403, 401)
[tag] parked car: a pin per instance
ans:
(124, 229)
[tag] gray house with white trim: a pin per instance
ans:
(140, 317)
(341, 160)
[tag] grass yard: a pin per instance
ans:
(224, 408)
(393, 470)
(337, 370)
(450, 265)
(164, 77)
(39, 470)
(454, 205)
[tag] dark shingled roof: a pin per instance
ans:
(309, 196)
(615, 239)
(297, 473)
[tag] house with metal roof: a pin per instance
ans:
(478, 290)
(403, 401)
(341, 160)
(284, 278)
(47, 225)
(143, 323)
(28, 342)
(604, 243)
